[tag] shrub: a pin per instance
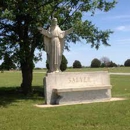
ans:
(63, 65)
(103, 65)
(95, 63)
(127, 62)
(112, 64)
(77, 64)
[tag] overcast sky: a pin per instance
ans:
(118, 20)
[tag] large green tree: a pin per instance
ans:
(19, 20)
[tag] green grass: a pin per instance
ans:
(121, 86)
(113, 69)
(18, 112)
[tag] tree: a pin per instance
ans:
(103, 65)
(63, 65)
(127, 62)
(19, 21)
(105, 61)
(77, 64)
(7, 64)
(95, 63)
(112, 64)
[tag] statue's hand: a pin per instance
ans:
(71, 29)
(39, 28)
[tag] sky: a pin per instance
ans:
(118, 20)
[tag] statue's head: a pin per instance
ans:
(54, 22)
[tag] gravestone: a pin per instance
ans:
(70, 87)
(77, 87)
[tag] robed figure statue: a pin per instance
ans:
(54, 44)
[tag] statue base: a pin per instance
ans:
(77, 87)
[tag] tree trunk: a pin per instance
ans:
(27, 75)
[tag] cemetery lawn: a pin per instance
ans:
(17, 112)
(112, 69)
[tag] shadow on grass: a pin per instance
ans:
(9, 95)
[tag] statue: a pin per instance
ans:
(54, 44)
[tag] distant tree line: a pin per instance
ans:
(105, 62)
(9, 64)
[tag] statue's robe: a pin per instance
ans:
(54, 46)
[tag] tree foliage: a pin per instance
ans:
(63, 65)
(19, 20)
(7, 64)
(112, 64)
(95, 63)
(77, 64)
(105, 61)
(127, 62)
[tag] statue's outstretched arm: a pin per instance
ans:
(40, 29)
(69, 31)
(44, 32)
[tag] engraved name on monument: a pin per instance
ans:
(77, 79)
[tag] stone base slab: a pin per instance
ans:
(72, 97)
(48, 106)
(76, 87)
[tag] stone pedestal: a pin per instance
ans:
(77, 87)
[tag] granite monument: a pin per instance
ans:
(70, 87)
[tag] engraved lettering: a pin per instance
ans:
(70, 80)
(79, 79)
(74, 80)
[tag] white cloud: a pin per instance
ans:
(123, 41)
(118, 17)
(123, 28)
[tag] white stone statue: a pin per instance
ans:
(54, 44)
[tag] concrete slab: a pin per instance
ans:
(49, 106)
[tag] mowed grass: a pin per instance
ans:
(18, 112)
(111, 69)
